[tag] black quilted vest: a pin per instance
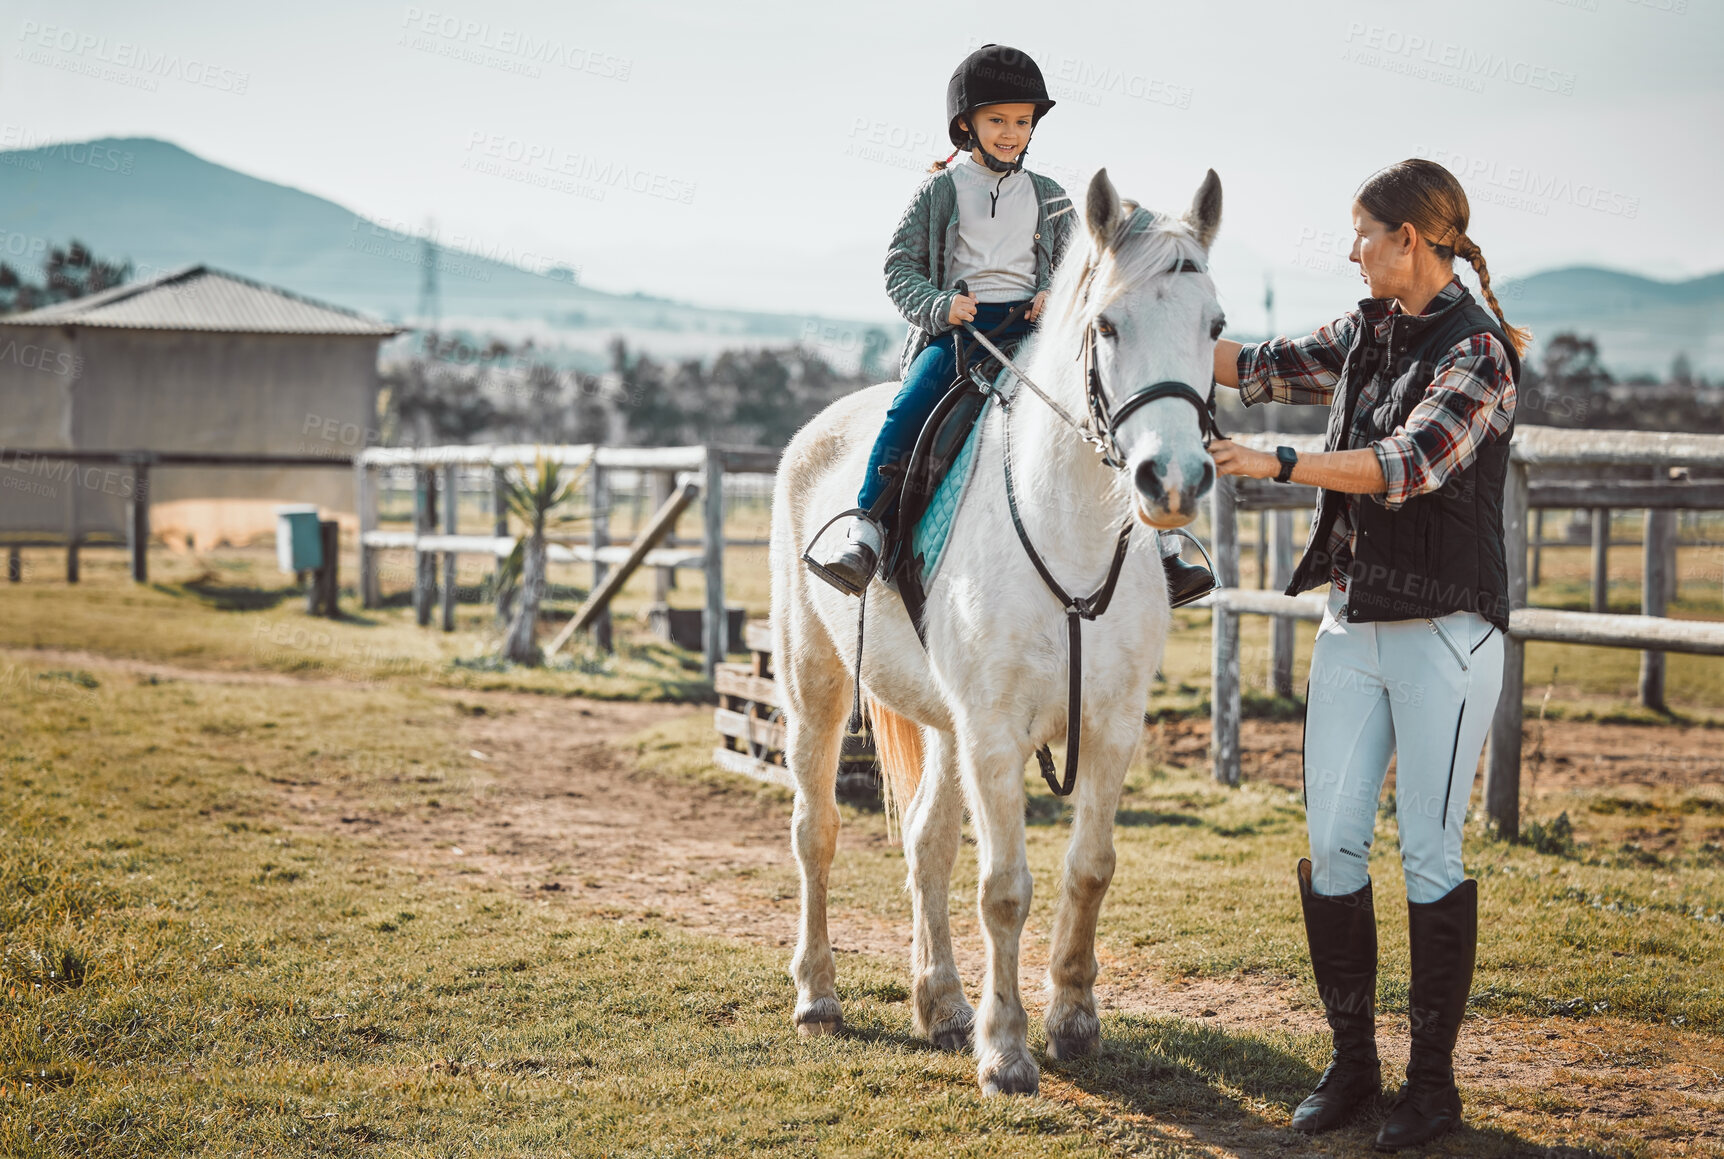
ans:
(1441, 551)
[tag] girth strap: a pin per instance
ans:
(1078, 609)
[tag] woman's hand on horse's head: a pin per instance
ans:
(963, 310)
(1233, 459)
(1036, 304)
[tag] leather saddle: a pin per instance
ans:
(938, 449)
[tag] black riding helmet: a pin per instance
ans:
(993, 75)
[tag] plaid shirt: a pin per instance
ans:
(1471, 398)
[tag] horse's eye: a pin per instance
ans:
(1105, 328)
(1216, 328)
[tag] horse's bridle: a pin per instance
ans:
(1105, 419)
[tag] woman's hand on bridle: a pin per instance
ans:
(1233, 459)
(1036, 304)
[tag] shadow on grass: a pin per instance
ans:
(228, 598)
(1203, 1078)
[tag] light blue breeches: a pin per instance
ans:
(1422, 691)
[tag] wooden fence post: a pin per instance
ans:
(72, 533)
(1537, 546)
(1224, 687)
(138, 523)
(322, 594)
(599, 482)
(1656, 549)
(365, 494)
(664, 578)
(1281, 627)
(499, 529)
(1502, 767)
(451, 526)
(1601, 559)
(424, 523)
(715, 628)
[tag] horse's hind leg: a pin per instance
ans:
(816, 689)
(932, 828)
(1073, 1027)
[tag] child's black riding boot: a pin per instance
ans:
(852, 565)
(1444, 937)
(1342, 934)
(1186, 581)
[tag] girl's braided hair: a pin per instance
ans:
(1426, 195)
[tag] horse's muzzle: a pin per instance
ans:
(1167, 496)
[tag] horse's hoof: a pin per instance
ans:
(819, 1018)
(954, 1034)
(1074, 1036)
(1013, 1074)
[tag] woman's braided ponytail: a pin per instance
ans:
(1468, 251)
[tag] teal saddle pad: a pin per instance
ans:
(934, 529)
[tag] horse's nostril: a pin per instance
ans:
(1207, 478)
(1148, 479)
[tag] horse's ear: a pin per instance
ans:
(1204, 216)
(1102, 209)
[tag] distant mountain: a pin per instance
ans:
(1641, 325)
(163, 207)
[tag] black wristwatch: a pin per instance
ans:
(1288, 457)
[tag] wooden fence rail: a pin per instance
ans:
(138, 497)
(1534, 449)
(436, 470)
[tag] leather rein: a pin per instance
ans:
(1101, 431)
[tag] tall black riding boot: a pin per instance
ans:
(1444, 936)
(1342, 934)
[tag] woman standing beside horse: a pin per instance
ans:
(1420, 385)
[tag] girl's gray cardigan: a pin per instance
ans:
(928, 231)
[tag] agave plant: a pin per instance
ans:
(530, 497)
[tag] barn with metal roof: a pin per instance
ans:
(198, 360)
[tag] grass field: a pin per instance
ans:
(201, 955)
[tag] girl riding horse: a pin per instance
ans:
(989, 226)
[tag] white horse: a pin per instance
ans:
(956, 722)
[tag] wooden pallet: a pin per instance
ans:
(751, 733)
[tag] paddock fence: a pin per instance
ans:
(1594, 470)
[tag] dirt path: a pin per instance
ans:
(571, 812)
(561, 814)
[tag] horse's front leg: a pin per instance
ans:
(994, 776)
(816, 697)
(1072, 1024)
(933, 826)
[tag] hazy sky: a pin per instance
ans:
(759, 154)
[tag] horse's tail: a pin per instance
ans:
(898, 744)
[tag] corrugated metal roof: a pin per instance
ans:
(199, 298)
